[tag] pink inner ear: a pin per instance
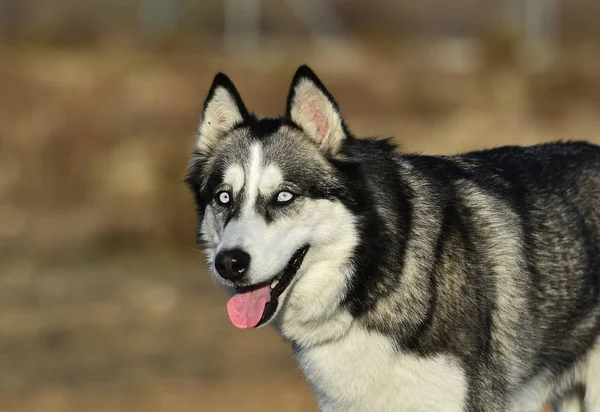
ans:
(312, 109)
(220, 122)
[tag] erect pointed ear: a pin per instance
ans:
(223, 110)
(311, 107)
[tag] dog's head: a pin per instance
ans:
(272, 202)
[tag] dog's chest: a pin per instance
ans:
(363, 372)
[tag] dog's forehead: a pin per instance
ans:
(270, 158)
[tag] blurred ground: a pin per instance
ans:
(136, 333)
(105, 304)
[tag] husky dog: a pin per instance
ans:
(404, 282)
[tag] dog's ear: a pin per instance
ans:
(311, 107)
(223, 110)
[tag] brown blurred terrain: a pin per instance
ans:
(105, 302)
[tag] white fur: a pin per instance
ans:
(571, 403)
(253, 177)
(311, 313)
(270, 180)
(592, 380)
(220, 115)
(271, 245)
(234, 177)
(364, 372)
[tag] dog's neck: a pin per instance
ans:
(317, 331)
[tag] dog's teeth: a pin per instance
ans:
(274, 283)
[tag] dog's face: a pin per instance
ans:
(272, 221)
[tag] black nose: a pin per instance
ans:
(232, 264)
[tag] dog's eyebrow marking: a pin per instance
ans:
(253, 174)
(234, 176)
(270, 179)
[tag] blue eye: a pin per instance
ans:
(284, 196)
(224, 198)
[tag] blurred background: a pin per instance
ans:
(105, 303)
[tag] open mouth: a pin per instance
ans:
(255, 305)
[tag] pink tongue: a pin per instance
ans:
(246, 309)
